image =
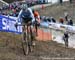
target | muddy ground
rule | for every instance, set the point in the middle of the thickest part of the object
(11, 49)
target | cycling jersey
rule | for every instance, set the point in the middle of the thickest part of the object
(21, 13)
(37, 16)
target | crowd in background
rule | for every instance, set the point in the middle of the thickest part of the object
(11, 9)
(67, 19)
(14, 8)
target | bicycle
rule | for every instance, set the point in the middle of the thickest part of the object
(36, 24)
(27, 38)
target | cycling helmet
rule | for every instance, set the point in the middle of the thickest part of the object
(24, 6)
(35, 13)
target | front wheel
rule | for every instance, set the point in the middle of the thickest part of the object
(25, 44)
(27, 38)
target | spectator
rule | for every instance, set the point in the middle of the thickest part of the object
(65, 38)
(66, 16)
(70, 1)
(42, 18)
(61, 20)
(61, 1)
(53, 20)
(70, 22)
(48, 19)
(45, 20)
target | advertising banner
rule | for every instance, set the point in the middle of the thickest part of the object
(8, 25)
(62, 27)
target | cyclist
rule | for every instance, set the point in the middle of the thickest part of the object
(36, 15)
(65, 38)
(37, 20)
(26, 18)
(26, 13)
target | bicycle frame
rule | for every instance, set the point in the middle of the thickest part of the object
(27, 38)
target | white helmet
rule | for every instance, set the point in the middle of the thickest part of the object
(24, 6)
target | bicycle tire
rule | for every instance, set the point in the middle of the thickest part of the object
(27, 44)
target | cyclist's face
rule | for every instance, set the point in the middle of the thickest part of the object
(24, 9)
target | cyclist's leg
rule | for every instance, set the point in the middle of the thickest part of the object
(24, 33)
(25, 37)
(31, 35)
(31, 39)
(23, 41)
(36, 29)
(35, 25)
(66, 42)
(28, 39)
